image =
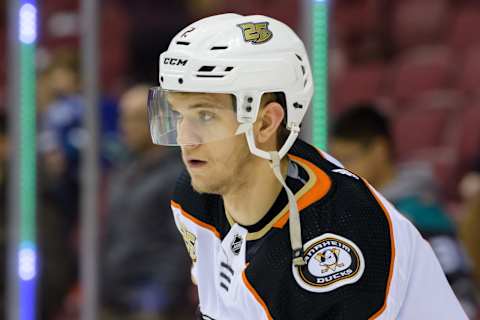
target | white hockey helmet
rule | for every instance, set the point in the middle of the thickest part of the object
(245, 56)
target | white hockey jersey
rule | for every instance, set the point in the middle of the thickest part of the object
(364, 259)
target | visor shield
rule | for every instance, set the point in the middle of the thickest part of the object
(188, 118)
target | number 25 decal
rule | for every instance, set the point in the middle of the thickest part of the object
(256, 33)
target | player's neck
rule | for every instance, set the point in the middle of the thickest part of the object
(251, 201)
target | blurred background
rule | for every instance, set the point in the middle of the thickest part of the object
(404, 111)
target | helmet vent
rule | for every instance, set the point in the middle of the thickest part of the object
(219, 48)
(183, 43)
(210, 75)
(206, 69)
(303, 70)
(298, 57)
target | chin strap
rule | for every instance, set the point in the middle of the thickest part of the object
(294, 217)
(274, 158)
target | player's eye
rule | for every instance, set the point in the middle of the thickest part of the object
(206, 116)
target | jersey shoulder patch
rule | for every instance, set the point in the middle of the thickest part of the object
(332, 261)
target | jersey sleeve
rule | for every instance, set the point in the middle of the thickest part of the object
(429, 296)
(418, 288)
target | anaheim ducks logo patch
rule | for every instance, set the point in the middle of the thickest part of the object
(256, 33)
(332, 261)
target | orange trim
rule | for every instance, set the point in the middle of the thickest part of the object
(319, 190)
(255, 294)
(195, 220)
(392, 258)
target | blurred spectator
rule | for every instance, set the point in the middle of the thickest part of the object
(470, 222)
(144, 261)
(362, 141)
(60, 141)
(62, 135)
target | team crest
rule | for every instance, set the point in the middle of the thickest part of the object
(256, 33)
(332, 261)
(190, 242)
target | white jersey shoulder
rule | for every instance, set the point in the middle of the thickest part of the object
(418, 288)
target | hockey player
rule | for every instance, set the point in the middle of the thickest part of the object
(276, 228)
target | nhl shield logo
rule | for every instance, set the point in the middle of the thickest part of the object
(332, 261)
(236, 244)
(256, 33)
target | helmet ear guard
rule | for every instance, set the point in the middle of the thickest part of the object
(248, 106)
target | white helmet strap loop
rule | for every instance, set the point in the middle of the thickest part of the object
(247, 128)
(274, 157)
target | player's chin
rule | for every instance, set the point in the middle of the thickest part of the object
(199, 185)
(203, 186)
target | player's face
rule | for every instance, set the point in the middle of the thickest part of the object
(220, 164)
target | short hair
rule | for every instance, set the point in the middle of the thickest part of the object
(362, 123)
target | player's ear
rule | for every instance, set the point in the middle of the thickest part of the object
(269, 120)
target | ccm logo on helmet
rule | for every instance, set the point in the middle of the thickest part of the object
(175, 61)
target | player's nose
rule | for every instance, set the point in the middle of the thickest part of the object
(187, 135)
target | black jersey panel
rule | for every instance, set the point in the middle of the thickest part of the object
(350, 211)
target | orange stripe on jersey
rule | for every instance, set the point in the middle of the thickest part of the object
(392, 248)
(320, 189)
(256, 295)
(195, 220)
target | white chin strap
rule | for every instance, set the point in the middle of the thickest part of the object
(275, 157)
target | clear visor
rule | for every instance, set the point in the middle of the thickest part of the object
(187, 118)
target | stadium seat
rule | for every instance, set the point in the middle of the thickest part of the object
(114, 50)
(468, 79)
(419, 22)
(420, 70)
(355, 17)
(447, 98)
(465, 26)
(418, 129)
(358, 84)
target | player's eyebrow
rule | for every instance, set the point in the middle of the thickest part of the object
(198, 105)
(203, 105)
